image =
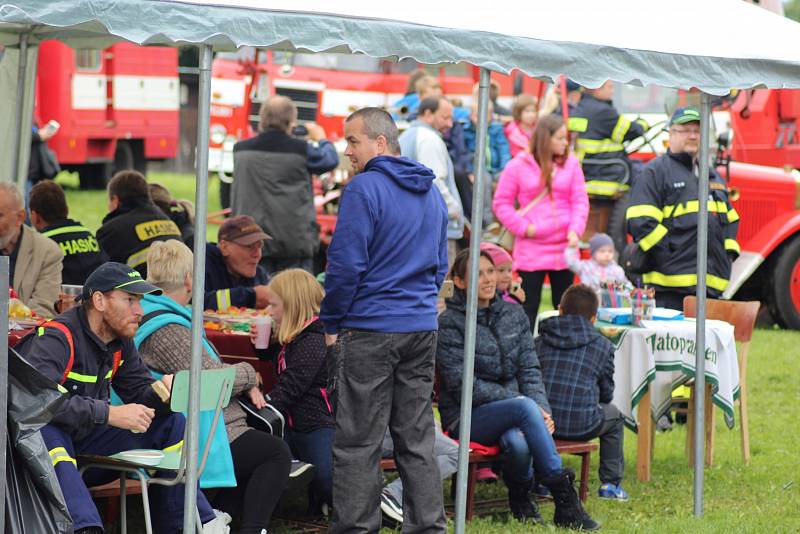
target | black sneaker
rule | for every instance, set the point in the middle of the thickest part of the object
(391, 508)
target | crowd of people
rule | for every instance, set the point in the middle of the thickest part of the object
(356, 357)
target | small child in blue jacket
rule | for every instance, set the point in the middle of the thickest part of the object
(578, 374)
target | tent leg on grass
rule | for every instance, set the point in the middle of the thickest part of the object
(198, 280)
(472, 302)
(19, 120)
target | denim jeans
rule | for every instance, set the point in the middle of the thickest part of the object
(517, 425)
(611, 433)
(315, 448)
(379, 379)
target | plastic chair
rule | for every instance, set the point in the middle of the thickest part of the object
(215, 393)
(541, 317)
(742, 315)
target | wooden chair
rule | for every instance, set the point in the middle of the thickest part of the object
(742, 315)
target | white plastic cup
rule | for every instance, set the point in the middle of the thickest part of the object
(263, 329)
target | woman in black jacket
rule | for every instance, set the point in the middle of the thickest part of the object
(509, 405)
(300, 394)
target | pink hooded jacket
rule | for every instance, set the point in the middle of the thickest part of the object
(518, 139)
(565, 209)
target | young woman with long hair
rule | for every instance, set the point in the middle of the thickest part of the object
(552, 179)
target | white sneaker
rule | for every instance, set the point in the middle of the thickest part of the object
(218, 525)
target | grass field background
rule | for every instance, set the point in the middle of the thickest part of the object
(761, 498)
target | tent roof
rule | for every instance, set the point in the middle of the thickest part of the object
(714, 45)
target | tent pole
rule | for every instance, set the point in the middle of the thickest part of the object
(4, 277)
(198, 282)
(20, 108)
(472, 301)
(700, 335)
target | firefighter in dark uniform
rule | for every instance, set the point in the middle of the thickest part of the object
(662, 218)
(86, 350)
(49, 215)
(133, 222)
(601, 131)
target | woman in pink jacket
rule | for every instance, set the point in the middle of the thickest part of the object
(559, 216)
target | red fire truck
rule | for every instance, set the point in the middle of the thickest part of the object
(118, 107)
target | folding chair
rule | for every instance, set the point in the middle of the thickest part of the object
(541, 317)
(215, 393)
(742, 315)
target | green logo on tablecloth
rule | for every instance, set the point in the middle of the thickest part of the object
(681, 345)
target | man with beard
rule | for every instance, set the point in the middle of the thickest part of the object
(86, 350)
(35, 262)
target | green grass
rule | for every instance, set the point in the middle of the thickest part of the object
(90, 207)
(761, 498)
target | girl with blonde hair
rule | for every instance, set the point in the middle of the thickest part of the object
(300, 393)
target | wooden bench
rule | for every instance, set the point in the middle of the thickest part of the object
(582, 449)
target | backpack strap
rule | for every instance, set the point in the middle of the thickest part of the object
(64, 330)
(152, 315)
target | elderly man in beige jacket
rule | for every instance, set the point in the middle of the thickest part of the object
(35, 260)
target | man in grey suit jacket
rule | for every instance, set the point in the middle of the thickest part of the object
(35, 260)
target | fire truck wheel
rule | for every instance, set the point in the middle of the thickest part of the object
(784, 302)
(224, 194)
(617, 228)
(94, 175)
(123, 157)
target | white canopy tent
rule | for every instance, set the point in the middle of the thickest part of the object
(587, 40)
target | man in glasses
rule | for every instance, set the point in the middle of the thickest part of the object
(663, 216)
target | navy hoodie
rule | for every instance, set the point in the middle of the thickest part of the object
(388, 256)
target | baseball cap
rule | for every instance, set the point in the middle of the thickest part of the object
(242, 230)
(113, 275)
(684, 115)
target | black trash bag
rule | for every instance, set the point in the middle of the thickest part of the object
(34, 502)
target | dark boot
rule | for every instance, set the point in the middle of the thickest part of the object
(569, 511)
(522, 508)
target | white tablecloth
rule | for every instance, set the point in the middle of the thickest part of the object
(662, 354)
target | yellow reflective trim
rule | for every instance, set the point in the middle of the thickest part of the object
(604, 188)
(597, 146)
(683, 280)
(60, 454)
(732, 245)
(174, 448)
(64, 459)
(108, 374)
(153, 229)
(692, 206)
(40, 331)
(223, 299)
(650, 240)
(86, 379)
(577, 124)
(644, 210)
(57, 450)
(733, 215)
(138, 258)
(668, 211)
(620, 129)
(61, 389)
(722, 207)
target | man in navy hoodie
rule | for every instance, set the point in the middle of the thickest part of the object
(386, 263)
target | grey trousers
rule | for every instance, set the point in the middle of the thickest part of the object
(375, 380)
(445, 451)
(611, 434)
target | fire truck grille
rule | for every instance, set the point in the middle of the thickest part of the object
(307, 102)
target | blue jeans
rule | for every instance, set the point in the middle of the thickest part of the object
(315, 448)
(518, 427)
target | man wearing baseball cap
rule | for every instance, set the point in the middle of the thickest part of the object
(662, 218)
(86, 350)
(233, 274)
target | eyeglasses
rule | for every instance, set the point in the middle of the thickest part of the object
(686, 131)
(252, 247)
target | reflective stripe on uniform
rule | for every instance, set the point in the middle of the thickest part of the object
(86, 379)
(174, 448)
(65, 230)
(650, 240)
(683, 280)
(693, 206)
(597, 146)
(605, 188)
(59, 454)
(733, 215)
(138, 258)
(223, 299)
(644, 210)
(577, 124)
(620, 129)
(732, 245)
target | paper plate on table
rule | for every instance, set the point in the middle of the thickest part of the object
(142, 456)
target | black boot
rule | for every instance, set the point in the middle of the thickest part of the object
(569, 511)
(522, 508)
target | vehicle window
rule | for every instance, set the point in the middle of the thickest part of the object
(242, 54)
(329, 61)
(651, 99)
(87, 59)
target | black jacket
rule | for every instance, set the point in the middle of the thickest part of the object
(506, 365)
(128, 232)
(272, 183)
(82, 252)
(662, 218)
(223, 289)
(601, 131)
(578, 373)
(89, 381)
(300, 393)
